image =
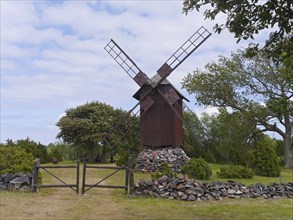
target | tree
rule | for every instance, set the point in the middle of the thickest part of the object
(86, 127)
(67, 151)
(246, 18)
(256, 87)
(228, 136)
(264, 159)
(191, 145)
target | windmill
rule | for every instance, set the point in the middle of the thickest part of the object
(160, 103)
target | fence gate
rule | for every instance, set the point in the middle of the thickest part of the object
(37, 166)
(128, 186)
(129, 178)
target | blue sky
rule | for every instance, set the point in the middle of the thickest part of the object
(53, 57)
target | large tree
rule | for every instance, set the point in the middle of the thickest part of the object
(256, 87)
(229, 136)
(246, 18)
(87, 126)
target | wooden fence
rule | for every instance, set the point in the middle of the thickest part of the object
(129, 177)
(37, 167)
(128, 186)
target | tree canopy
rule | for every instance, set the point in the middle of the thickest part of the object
(86, 127)
(229, 136)
(246, 18)
(257, 87)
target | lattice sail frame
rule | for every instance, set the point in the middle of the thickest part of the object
(126, 63)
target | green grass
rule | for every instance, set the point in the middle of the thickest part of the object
(286, 176)
(225, 209)
(63, 203)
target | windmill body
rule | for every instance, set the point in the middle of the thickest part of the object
(161, 122)
(160, 125)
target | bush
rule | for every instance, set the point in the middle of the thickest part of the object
(123, 159)
(166, 171)
(36, 149)
(209, 157)
(264, 159)
(15, 160)
(197, 168)
(239, 172)
(55, 154)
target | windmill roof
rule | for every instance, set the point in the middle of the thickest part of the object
(156, 79)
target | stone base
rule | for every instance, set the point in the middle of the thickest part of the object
(151, 159)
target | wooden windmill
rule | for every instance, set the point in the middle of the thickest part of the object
(161, 104)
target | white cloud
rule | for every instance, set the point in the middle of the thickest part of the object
(53, 57)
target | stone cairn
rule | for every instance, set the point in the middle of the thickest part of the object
(192, 190)
(11, 182)
(151, 159)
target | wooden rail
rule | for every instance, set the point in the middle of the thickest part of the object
(37, 166)
(129, 181)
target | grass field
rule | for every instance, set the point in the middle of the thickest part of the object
(64, 203)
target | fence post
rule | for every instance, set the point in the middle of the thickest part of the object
(77, 177)
(127, 176)
(37, 163)
(131, 177)
(83, 177)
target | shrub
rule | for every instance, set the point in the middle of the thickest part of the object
(209, 157)
(15, 160)
(55, 154)
(123, 158)
(239, 172)
(264, 159)
(166, 171)
(197, 168)
(36, 149)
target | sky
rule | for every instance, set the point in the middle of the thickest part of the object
(53, 57)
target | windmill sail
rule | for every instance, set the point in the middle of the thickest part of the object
(187, 48)
(126, 63)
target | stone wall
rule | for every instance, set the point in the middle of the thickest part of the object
(151, 159)
(192, 190)
(11, 182)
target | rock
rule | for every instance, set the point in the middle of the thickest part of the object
(239, 192)
(166, 194)
(184, 197)
(142, 182)
(173, 194)
(3, 187)
(11, 187)
(156, 195)
(215, 194)
(191, 197)
(191, 192)
(180, 186)
(180, 193)
(231, 191)
(162, 179)
(19, 181)
(149, 183)
(25, 188)
(8, 177)
(225, 193)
